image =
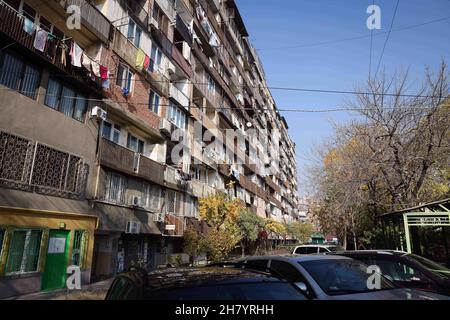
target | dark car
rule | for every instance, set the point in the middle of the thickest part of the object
(207, 283)
(406, 270)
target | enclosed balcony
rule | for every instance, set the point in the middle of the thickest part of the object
(117, 157)
(178, 96)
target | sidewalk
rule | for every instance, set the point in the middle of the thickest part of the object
(93, 291)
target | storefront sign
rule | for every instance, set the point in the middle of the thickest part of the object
(170, 227)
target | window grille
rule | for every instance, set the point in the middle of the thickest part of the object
(77, 248)
(31, 166)
(24, 249)
(115, 188)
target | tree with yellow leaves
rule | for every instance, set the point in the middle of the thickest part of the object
(221, 212)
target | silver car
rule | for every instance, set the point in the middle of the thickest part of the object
(324, 277)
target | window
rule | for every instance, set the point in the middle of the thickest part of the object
(77, 248)
(257, 263)
(134, 33)
(155, 59)
(123, 289)
(24, 250)
(177, 116)
(17, 74)
(154, 102)
(173, 202)
(115, 188)
(135, 144)
(66, 100)
(111, 132)
(211, 83)
(192, 209)
(2, 236)
(152, 197)
(125, 77)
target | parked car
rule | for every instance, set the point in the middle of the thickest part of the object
(406, 270)
(334, 277)
(206, 283)
(314, 249)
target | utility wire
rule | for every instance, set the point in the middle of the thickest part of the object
(245, 107)
(371, 47)
(308, 45)
(387, 38)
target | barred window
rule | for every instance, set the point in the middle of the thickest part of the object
(15, 158)
(24, 250)
(115, 188)
(77, 248)
(57, 170)
(173, 202)
(17, 74)
(152, 196)
(66, 100)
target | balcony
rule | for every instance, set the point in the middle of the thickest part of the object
(181, 61)
(151, 170)
(11, 25)
(173, 178)
(272, 184)
(173, 225)
(178, 96)
(93, 19)
(158, 80)
(163, 41)
(117, 157)
(167, 6)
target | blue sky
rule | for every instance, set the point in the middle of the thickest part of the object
(285, 34)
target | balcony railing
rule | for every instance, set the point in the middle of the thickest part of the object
(181, 61)
(151, 170)
(167, 6)
(179, 96)
(176, 223)
(117, 157)
(125, 160)
(11, 24)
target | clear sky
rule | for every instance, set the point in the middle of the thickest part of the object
(289, 36)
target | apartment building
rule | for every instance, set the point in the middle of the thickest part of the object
(91, 120)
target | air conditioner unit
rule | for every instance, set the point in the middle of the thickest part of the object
(186, 51)
(99, 113)
(135, 201)
(133, 227)
(165, 126)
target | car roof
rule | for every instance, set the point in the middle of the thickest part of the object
(316, 245)
(298, 258)
(372, 252)
(195, 277)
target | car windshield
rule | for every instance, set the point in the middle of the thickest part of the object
(434, 267)
(343, 276)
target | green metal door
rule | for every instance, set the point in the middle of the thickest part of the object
(54, 276)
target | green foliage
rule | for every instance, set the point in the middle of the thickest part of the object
(301, 231)
(249, 225)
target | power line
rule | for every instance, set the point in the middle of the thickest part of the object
(245, 107)
(387, 37)
(308, 45)
(387, 94)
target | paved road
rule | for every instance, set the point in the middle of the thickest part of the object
(93, 291)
